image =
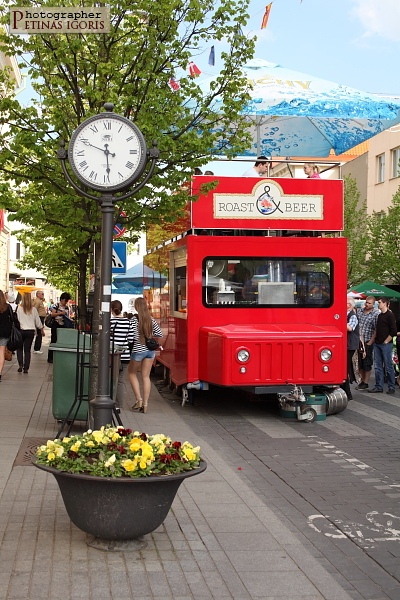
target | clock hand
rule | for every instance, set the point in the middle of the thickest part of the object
(106, 150)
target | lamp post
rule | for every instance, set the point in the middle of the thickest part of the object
(108, 154)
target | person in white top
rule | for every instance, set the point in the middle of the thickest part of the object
(260, 168)
(29, 321)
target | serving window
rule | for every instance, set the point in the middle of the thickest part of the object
(270, 281)
(178, 279)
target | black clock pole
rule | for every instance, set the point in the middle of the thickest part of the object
(103, 404)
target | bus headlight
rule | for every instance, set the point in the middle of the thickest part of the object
(243, 356)
(325, 355)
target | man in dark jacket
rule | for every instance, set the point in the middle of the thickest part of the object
(385, 331)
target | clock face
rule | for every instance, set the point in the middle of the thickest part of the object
(107, 152)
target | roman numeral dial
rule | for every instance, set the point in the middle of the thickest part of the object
(107, 152)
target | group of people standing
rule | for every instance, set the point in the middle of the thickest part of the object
(129, 335)
(370, 332)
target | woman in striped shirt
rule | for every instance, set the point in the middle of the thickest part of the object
(121, 335)
(144, 326)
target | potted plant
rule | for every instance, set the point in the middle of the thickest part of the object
(118, 484)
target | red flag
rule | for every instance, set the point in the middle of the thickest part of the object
(173, 84)
(266, 16)
(193, 69)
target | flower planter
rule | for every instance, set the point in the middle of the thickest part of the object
(120, 508)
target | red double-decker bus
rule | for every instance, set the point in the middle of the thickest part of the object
(256, 293)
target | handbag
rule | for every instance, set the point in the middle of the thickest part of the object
(15, 341)
(7, 354)
(151, 344)
(50, 322)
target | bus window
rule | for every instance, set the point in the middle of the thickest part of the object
(269, 281)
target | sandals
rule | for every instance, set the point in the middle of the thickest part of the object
(137, 406)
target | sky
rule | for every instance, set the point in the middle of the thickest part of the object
(351, 42)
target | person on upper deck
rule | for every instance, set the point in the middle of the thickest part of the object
(312, 171)
(260, 168)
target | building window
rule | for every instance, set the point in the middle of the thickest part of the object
(380, 168)
(395, 160)
(17, 250)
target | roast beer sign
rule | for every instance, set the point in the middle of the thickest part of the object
(267, 200)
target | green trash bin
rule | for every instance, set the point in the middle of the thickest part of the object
(71, 373)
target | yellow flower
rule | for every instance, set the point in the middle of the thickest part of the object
(110, 461)
(98, 436)
(129, 465)
(189, 454)
(75, 447)
(65, 440)
(115, 437)
(135, 444)
(89, 444)
(142, 463)
(51, 456)
(59, 451)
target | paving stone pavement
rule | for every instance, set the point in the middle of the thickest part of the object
(286, 510)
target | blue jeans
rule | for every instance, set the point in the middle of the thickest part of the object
(383, 356)
(139, 356)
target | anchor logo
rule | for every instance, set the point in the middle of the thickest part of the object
(266, 204)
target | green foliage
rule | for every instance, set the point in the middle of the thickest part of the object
(73, 75)
(384, 250)
(356, 232)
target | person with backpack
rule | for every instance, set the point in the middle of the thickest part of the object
(145, 329)
(121, 336)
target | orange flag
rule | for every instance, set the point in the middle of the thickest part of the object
(266, 15)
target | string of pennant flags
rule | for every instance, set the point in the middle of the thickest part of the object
(194, 71)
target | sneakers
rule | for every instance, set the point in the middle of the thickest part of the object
(375, 391)
(362, 386)
(37, 352)
(392, 391)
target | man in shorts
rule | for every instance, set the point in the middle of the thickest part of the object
(367, 318)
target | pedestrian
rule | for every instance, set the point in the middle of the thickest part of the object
(353, 339)
(144, 326)
(367, 318)
(38, 303)
(29, 321)
(259, 169)
(5, 327)
(10, 297)
(383, 348)
(312, 171)
(121, 335)
(60, 313)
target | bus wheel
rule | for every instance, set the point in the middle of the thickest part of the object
(310, 415)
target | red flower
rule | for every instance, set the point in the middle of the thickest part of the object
(72, 454)
(176, 445)
(143, 437)
(124, 432)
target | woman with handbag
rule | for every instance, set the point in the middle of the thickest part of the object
(5, 327)
(144, 329)
(29, 321)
